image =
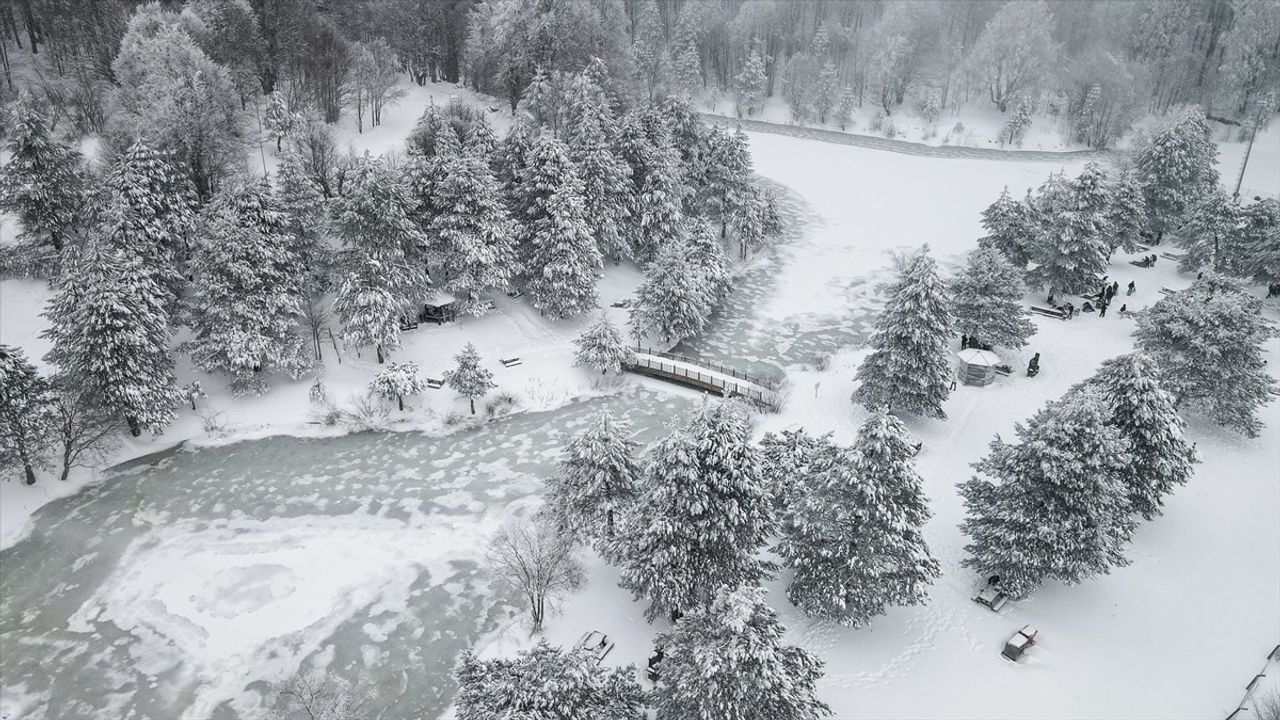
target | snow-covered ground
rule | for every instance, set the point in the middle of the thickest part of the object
(231, 572)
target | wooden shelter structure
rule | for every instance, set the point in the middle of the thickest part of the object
(977, 367)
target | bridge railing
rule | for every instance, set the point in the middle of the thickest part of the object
(762, 382)
(729, 387)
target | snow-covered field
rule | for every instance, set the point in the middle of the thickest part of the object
(209, 600)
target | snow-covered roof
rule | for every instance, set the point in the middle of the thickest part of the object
(974, 356)
(439, 299)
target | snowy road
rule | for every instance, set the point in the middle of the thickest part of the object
(959, 152)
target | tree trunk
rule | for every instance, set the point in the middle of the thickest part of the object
(31, 474)
(380, 358)
(473, 406)
(66, 462)
(400, 400)
(135, 429)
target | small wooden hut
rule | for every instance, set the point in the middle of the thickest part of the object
(440, 308)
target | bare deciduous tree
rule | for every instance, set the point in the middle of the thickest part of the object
(86, 434)
(315, 317)
(314, 695)
(536, 560)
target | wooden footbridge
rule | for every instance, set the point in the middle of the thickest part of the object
(706, 376)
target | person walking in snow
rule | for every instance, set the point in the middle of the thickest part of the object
(1115, 288)
(1132, 288)
(1102, 309)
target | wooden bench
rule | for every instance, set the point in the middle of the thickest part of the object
(1004, 370)
(1167, 291)
(1170, 256)
(1048, 312)
(515, 293)
(435, 383)
(510, 361)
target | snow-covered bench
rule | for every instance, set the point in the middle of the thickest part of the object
(435, 383)
(510, 361)
(596, 643)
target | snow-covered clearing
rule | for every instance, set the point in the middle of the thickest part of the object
(195, 577)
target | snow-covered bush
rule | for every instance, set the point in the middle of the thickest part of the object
(503, 404)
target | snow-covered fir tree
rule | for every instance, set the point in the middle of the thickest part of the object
(1054, 506)
(1208, 341)
(728, 661)
(1176, 167)
(602, 348)
(686, 67)
(786, 458)
(150, 213)
(510, 159)
(1069, 252)
(649, 49)
(657, 189)
(1212, 239)
(541, 101)
(546, 683)
(702, 515)
(431, 131)
(246, 298)
(1161, 458)
(381, 268)
(397, 380)
(606, 178)
(674, 301)
(707, 255)
(306, 217)
(109, 325)
(1009, 229)
(472, 235)
(689, 137)
(854, 535)
(560, 255)
(279, 120)
(596, 483)
(468, 378)
(751, 84)
(909, 368)
(1260, 235)
(26, 414)
(987, 300)
(1127, 213)
(41, 182)
(728, 187)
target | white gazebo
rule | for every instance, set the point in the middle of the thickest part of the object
(977, 367)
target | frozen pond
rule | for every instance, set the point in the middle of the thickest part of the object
(177, 588)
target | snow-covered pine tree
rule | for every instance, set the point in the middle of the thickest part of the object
(247, 293)
(657, 188)
(1009, 228)
(1161, 457)
(431, 130)
(381, 268)
(41, 182)
(299, 198)
(785, 458)
(510, 159)
(26, 414)
(1069, 253)
(1261, 238)
(728, 661)
(689, 137)
(540, 102)
(1208, 341)
(686, 67)
(546, 683)
(854, 535)
(673, 301)
(708, 258)
(728, 186)
(560, 255)
(1211, 237)
(752, 84)
(606, 178)
(279, 119)
(596, 483)
(987, 300)
(1176, 167)
(602, 348)
(649, 49)
(909, 367)
(469, 379)
(151, 212)
(398, 380)
(472, 233)
(1127, 214)
(1092, 192)
(1056, 506)
(109, 325)
(702, 515)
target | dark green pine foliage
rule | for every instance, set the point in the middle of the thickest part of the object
(909, 368)
(589, 132)
(1055, 505)
(1127, 213)
(1176, 167)
(248, 290)
(854, 536)
(109, 324)
(701, 518)
(1212, 239)
(727, 661)
(41, 183)
(1261, 233)
(657, 189)
(546, 683)
(988, 300)
(1208, 342)
(1069, 254)
(1161, 457)
(786, 457)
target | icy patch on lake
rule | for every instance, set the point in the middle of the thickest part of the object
(241, 600)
